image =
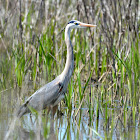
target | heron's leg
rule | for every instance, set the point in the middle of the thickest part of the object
(54, 110)
(31, 118)
(59, 112)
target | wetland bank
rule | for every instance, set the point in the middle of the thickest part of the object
(103, 97)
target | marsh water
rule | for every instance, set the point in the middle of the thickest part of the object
(64, 125)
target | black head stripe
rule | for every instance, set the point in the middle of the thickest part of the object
(72, 21)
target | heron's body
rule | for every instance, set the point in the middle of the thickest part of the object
(52, 93)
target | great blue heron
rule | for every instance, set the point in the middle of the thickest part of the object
(52, 93)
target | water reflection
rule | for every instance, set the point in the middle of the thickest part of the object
(66, 126)
(31, 127)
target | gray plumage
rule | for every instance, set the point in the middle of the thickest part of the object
(52, 93)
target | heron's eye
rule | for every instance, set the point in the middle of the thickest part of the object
(76, 23)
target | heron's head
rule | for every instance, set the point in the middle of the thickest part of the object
(77, 24)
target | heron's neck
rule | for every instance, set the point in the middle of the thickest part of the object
(69, 66)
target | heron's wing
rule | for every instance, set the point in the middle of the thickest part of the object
(46, 95)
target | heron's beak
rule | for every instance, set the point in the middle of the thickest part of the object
(87, 25)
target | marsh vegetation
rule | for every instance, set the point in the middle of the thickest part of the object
(103, 97)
